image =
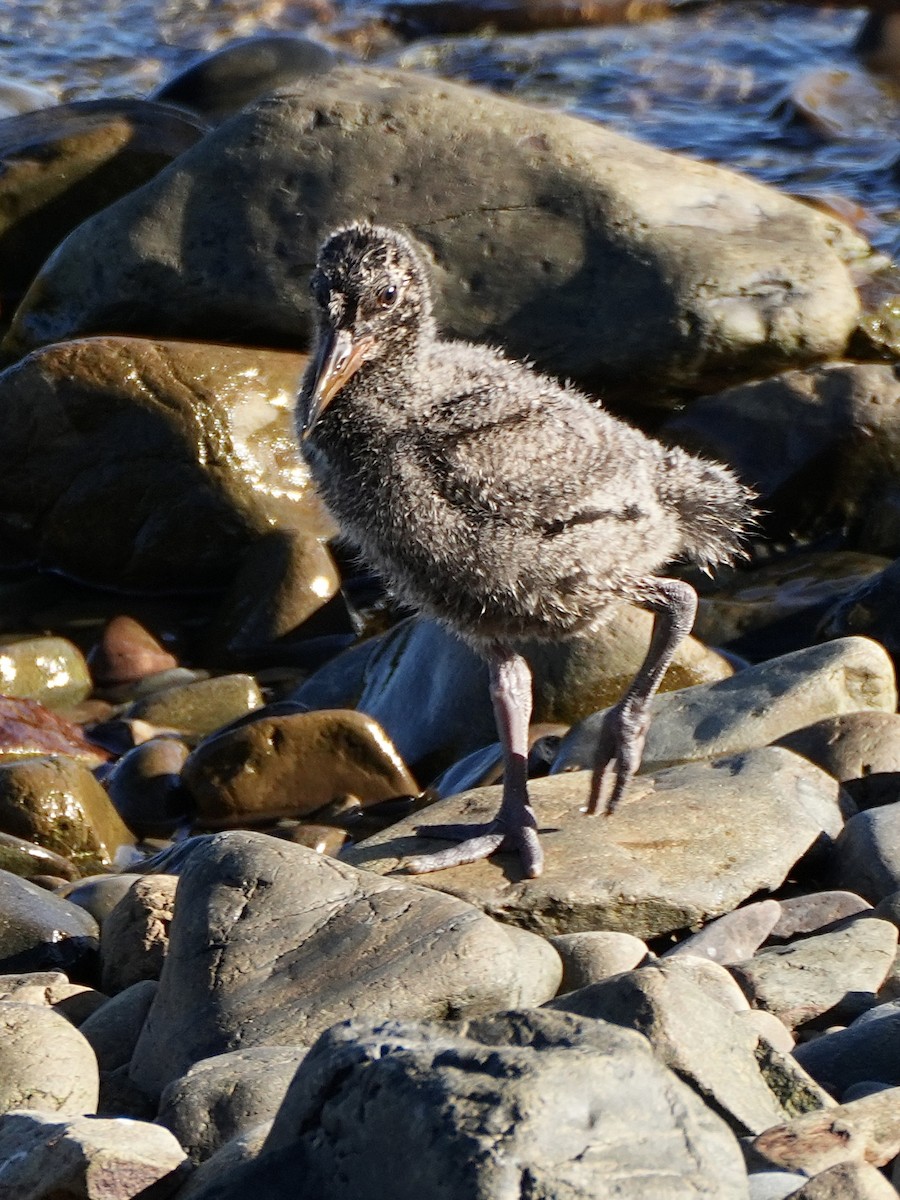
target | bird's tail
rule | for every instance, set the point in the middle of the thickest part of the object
(716, 509)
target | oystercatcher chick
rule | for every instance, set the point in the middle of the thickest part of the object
(501, 503)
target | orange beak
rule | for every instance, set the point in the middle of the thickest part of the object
(338, 358)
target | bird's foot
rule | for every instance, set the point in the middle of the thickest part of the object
(617, 757)
(481, 841)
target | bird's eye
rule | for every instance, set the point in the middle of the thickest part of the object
(387, 296)
(319, 288)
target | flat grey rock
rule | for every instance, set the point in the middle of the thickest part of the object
(755, 707)
(733, 937)
(272, 943)
(707, 1044)
(834, 975)
(713, 271)
(687, 844)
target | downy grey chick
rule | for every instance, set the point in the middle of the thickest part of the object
(501, 503)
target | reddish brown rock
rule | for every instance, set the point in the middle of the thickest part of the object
(126, 652)
(866, 1130)
(29, 729)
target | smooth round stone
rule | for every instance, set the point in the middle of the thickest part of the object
(774, 1185)
(289, 766)
(28, 729)
(806, 914)
(182, 475)
(734, 937)
(755, 707)
(779, 591)
(848, 414)
(126, 652)
(145, 786)
(98, 894)
(219, 84)
(867, 853)
(200, 708)
(90, 153)
(41, 932)
(45, 1062)
(768, 1026)
(113, 1030)
(22, 857)
(50, 670)
(591, 956)
(861, 750)
(58, 803)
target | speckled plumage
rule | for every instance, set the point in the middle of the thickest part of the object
(487, 495)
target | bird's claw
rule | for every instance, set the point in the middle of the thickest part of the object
(617, 757)
(480, 841)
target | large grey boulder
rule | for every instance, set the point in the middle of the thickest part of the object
(271, 943)
(599, 257)
(520, 1104)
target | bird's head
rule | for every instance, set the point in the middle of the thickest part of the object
(373, 305)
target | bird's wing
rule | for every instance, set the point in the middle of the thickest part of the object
(551, 466)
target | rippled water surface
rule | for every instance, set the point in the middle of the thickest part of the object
(772, 89)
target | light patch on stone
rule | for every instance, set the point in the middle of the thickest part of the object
(55, 670)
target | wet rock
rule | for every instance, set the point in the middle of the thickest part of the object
(113, 1030)
(688, 844)
(126, 652)
(591, 956)
(21, 857)
(814, 910)
(219, 84)
(754, 708)
(868, 1049)
(751, 1084)
(223, 1097)
(866, 1130)
(135, 936)
(682, 239)
(415, 18)
(63, 164)
(733, 937)
(29, 729)
(869, 609)
(254, 915)
(777, 605)
(814, 443)
(145, 786)
(437, 719)
(98, 894)
(49, 670)
(200, 708)
(44, 1062)
(861, 750)
(160, 466)
(847, 1181)
(289, 766)
(87, 1157)
(867, 853)
(483, 1107)
(58, 803)
(835, 974)
(40, 932)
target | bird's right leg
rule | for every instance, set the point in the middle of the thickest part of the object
(621, 743)
(514, 827)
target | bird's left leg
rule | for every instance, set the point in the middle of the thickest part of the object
(621, 743)
(514, 827)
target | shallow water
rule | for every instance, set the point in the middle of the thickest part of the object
(772, 89)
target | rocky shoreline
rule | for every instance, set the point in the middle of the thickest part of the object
(217, 733)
